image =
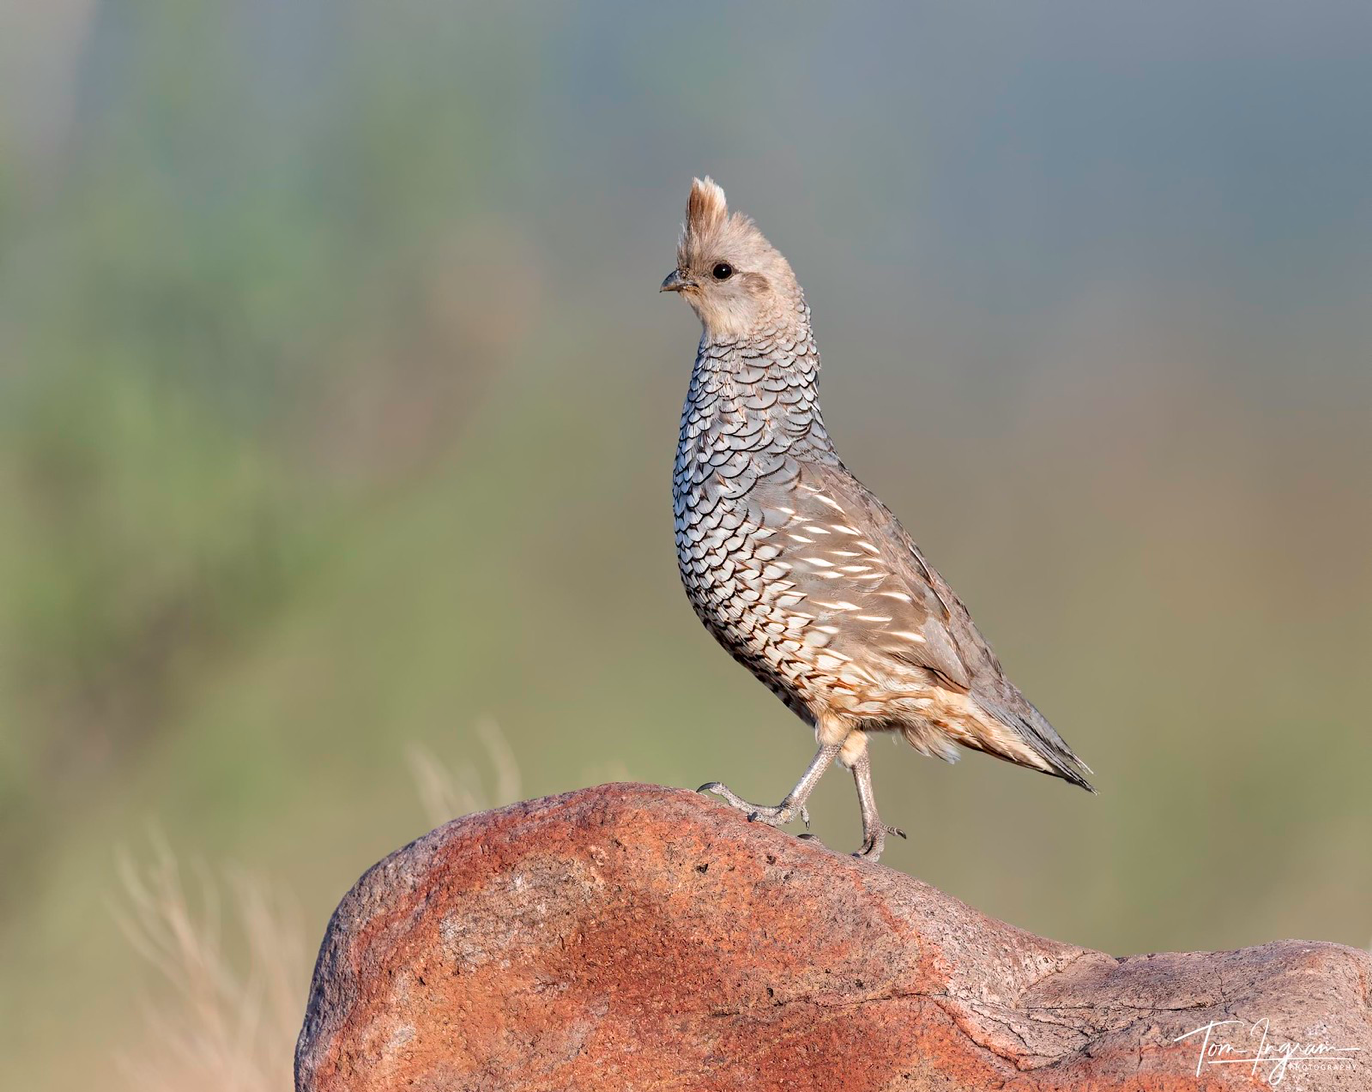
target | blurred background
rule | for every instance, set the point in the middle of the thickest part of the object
(338, 406)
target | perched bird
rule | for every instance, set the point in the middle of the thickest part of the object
(802, 574)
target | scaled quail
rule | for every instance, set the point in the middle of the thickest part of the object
(799, 572)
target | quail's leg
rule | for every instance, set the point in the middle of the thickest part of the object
(874, 831)
(793, 805)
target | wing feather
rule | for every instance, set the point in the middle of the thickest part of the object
(867, 583)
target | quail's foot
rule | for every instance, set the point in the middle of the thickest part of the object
(773, 815)
(874, 841)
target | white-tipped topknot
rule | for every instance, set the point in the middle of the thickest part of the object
(706, 210)
(709, 228)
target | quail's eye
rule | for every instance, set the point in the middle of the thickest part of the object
(723, 271)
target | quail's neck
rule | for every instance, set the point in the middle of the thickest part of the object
(759, 392)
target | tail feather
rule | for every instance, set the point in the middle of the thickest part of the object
(1018, 714)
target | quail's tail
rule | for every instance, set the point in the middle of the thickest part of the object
(1017, 713)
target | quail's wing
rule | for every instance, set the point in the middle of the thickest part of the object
(860, 574)
(863, 576)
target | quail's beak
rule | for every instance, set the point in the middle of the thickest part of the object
(676, 281)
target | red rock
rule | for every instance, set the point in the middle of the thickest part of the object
(634, 937)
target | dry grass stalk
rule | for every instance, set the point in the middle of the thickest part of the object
(232, 1012)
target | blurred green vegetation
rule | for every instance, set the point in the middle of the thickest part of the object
(337, 410)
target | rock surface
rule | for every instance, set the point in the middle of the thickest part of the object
(634, 937)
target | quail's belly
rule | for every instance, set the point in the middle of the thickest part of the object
(736, 582)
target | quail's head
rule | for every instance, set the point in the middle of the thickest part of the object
(733, 278)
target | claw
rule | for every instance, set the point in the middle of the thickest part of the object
(805, 818)
(874, 842)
